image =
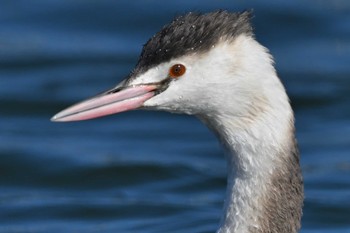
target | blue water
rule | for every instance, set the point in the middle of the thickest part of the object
(151, 171)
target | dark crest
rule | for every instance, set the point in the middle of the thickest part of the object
(191, 33)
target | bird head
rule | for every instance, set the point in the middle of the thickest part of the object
(199, 64)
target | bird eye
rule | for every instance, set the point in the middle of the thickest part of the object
(177, 70)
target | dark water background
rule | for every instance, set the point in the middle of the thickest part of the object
(151, 171)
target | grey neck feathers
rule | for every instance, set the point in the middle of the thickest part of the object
(264, 187)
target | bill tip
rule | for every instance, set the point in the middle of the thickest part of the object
(55, 118)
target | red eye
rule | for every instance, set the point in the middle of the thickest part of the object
(177, 70)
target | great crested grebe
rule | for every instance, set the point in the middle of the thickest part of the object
(211, 66)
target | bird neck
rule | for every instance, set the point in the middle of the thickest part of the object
(264, 186)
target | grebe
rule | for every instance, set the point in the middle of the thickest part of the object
(211, 66)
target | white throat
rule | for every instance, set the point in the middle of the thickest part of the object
(261, 156)
(264, 177)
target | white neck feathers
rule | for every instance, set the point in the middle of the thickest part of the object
(261, 152)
